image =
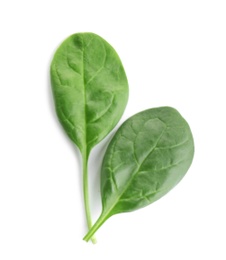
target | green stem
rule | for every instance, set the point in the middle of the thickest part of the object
(95, 227)
(86, 194)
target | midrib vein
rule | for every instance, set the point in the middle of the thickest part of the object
(84, 96)
(135, 173)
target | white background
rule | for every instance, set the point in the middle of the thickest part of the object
(174, 54)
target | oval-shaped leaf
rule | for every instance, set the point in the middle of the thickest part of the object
(90, 91)
(147, 157)
(90, 88)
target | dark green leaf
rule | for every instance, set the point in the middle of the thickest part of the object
(147, 157)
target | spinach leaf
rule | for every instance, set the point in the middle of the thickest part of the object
(147, 157)
(90, 91)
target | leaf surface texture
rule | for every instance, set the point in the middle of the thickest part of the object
(90, 88)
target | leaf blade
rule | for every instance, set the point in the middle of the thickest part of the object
(147, 179)
(90, 88)
(143, 180)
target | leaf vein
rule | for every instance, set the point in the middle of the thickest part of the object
(173, 146)
(103, 112)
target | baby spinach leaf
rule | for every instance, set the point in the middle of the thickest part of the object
(90, 88)
(90, 91)
(147, 157)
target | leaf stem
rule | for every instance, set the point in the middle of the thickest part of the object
(86, 194)
(95, 227)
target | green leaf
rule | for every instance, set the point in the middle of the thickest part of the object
(90, 91)
(90, 88)
(150, 153)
